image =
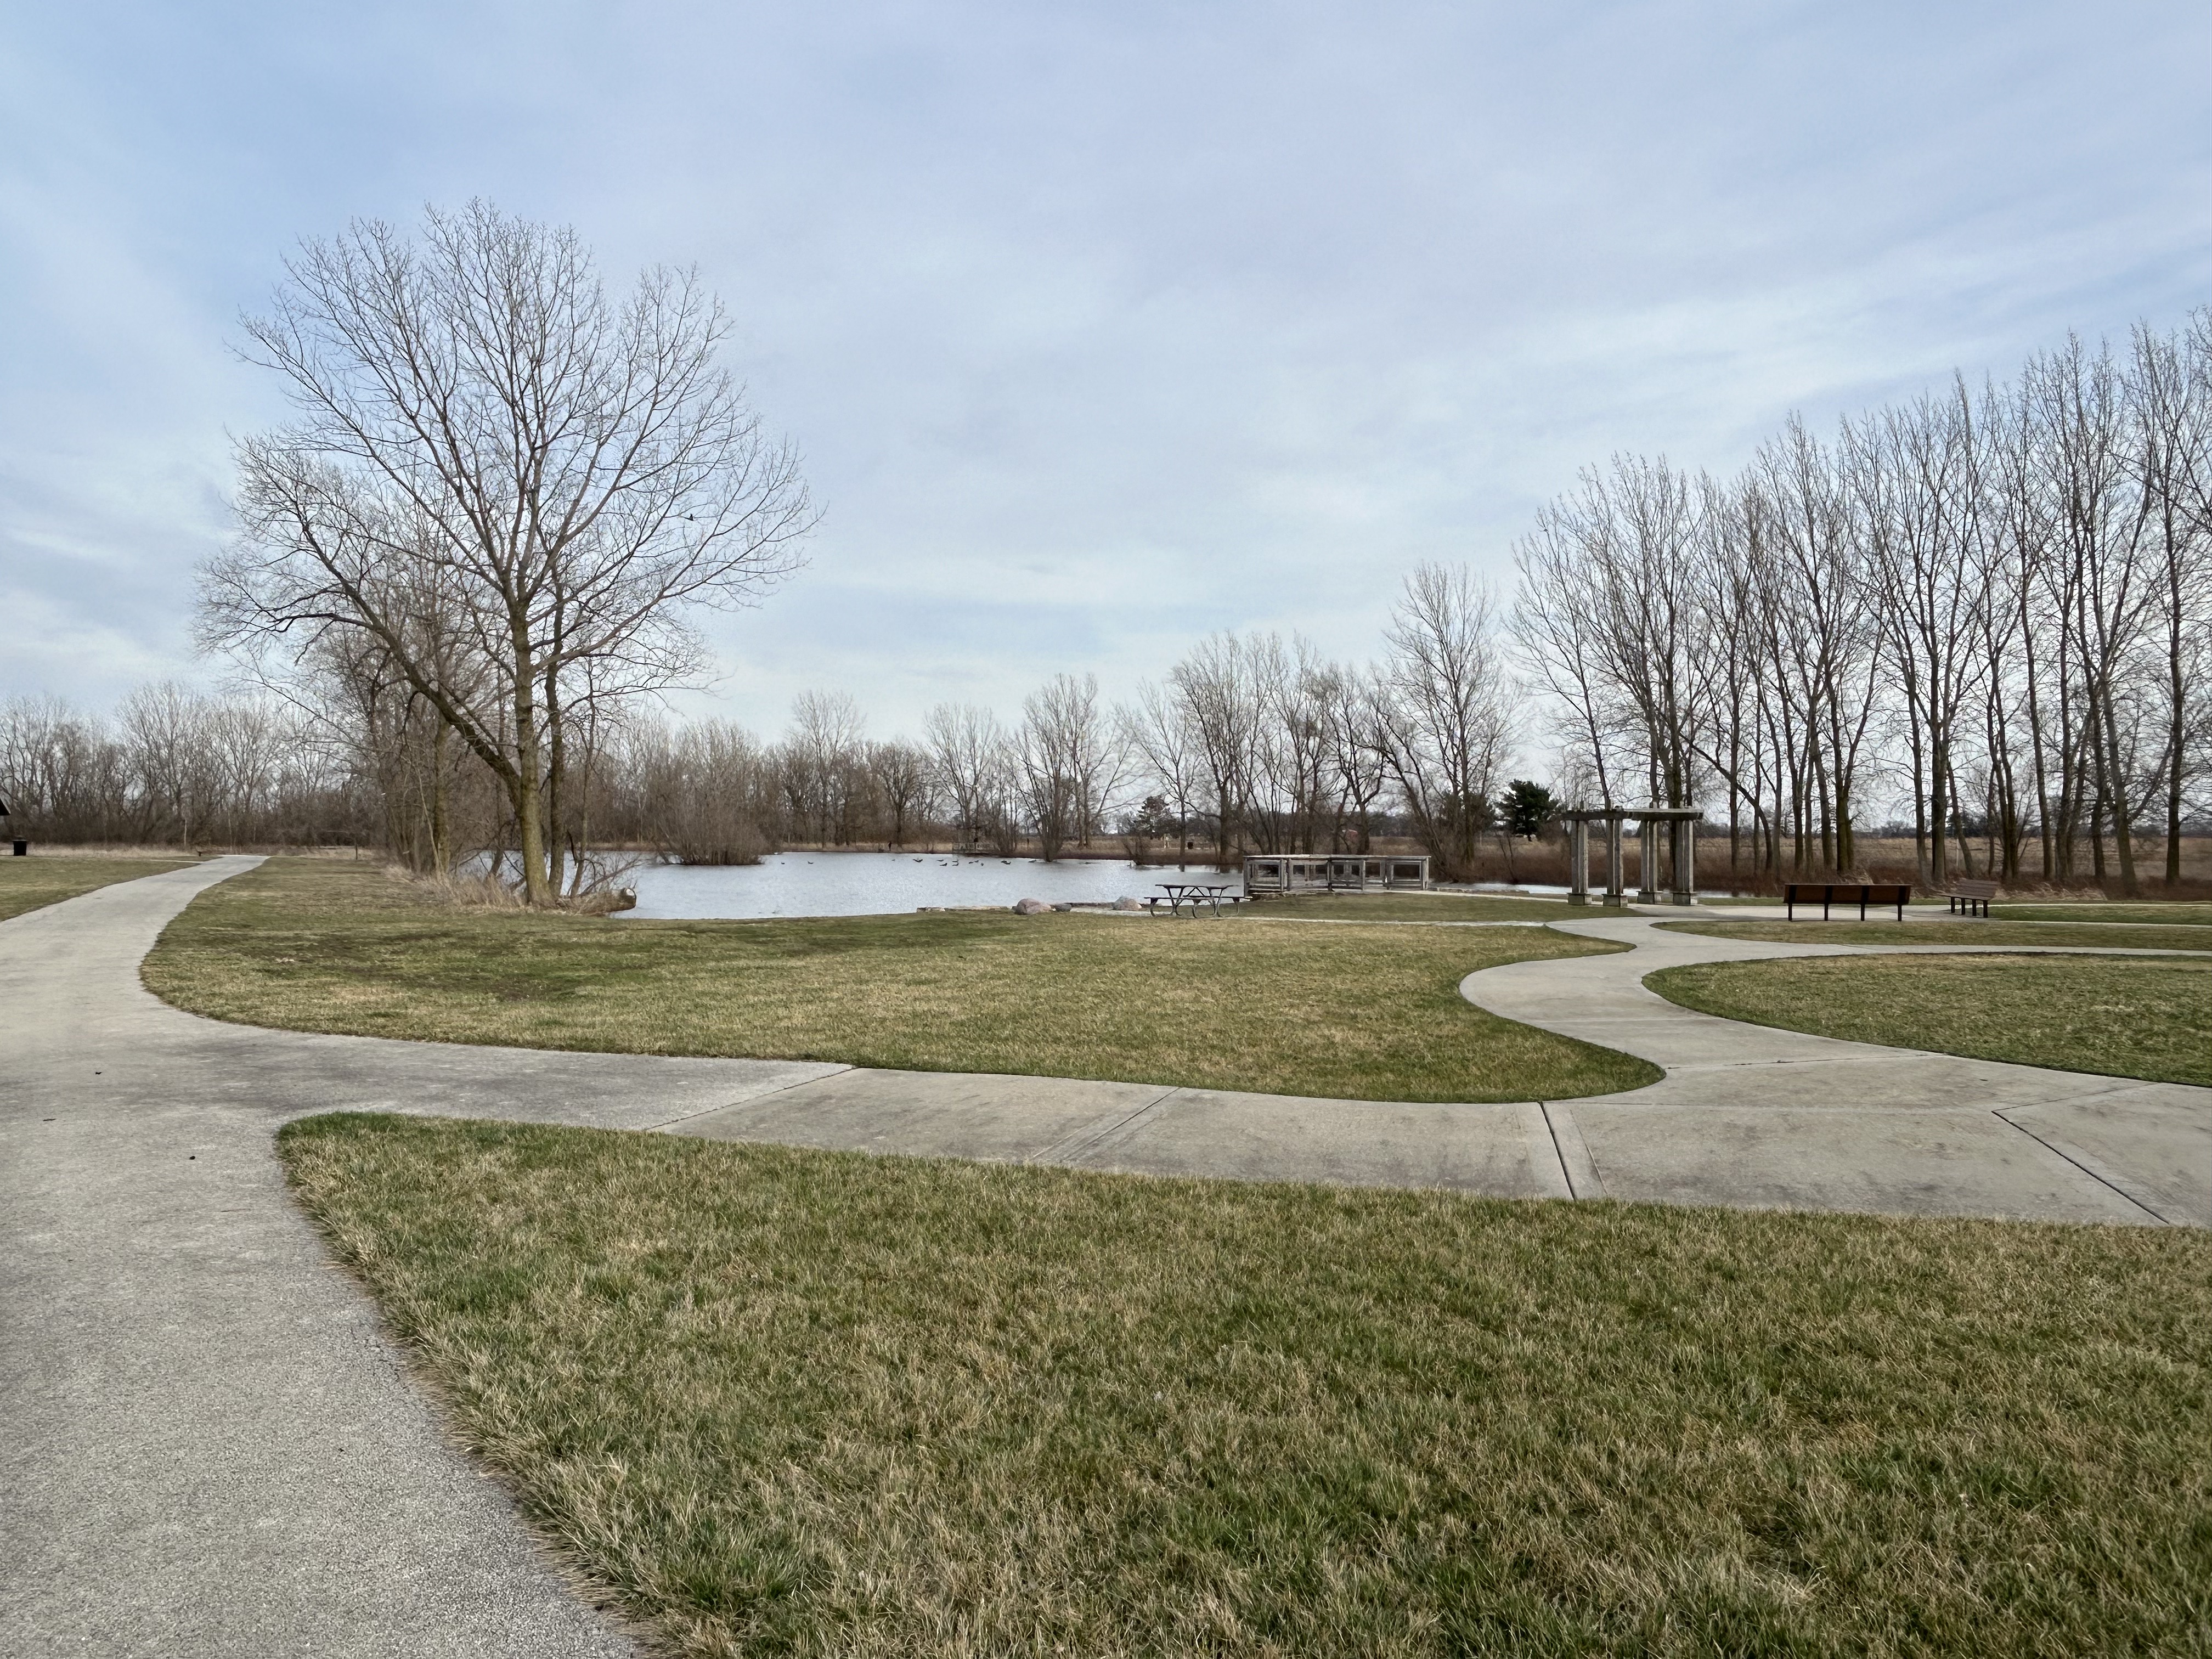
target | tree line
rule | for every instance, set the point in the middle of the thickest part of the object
(468, 570)
(1249, 742)
(1994, 602)
(175, 766)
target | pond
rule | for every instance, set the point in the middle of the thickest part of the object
(882, 883)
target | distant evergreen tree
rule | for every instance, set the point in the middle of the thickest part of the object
(1526, 807)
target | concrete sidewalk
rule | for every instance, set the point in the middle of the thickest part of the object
(1749, 1114)
(208, 1448)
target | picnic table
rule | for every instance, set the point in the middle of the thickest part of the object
(1195, 893)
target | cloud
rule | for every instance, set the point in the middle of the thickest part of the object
(1102, 327)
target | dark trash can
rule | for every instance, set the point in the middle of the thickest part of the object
(22, 849)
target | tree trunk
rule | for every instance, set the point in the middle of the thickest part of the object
(525, 787)
(441, 831)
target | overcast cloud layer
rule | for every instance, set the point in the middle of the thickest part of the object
(1101, 326)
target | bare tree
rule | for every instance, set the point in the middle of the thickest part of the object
(168, 746)
(1070, 758)
(60, 774)
(970, 753)
(2169, 398)
(1164, 746)
(1446, 725)
(824, 768)
(1915, 472)
(1351, 724)
(2001, 599)
(1220, 708)
(1291, 775)
(2100, 524)
(904, 784)
(484, 439)
(1556, 623)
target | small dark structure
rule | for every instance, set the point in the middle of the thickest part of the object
(18, 847)
(1681, 827)
(1335, 872)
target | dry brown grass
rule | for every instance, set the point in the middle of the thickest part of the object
(1405, 907)
(1921, 928)
(2144, 1016)
(1368, 1013)
(809, 1403)
(31, 884)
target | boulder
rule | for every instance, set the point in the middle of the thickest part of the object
(1125, 903)
(1031, 908)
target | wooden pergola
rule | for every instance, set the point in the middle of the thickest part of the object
(1682, 825)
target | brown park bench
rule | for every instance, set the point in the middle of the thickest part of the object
(1866, 893)
(1971, 898)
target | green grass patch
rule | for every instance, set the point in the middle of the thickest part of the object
(1403, 907)
(2178, 913)
(2144, 1016)
(809, 1403)
(32, 884)
(1371, 1013)
(1963, 932)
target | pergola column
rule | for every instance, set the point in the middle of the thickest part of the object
(1613, 895)
(1647, 837)
(1579, 861)
(1685, 861)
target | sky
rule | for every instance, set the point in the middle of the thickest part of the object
(1100, 326)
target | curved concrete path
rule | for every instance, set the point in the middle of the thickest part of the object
(208, 1448)
(1748, 1114)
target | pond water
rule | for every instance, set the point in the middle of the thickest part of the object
(899, 884)
(881, 884)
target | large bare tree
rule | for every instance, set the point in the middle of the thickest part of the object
(974, 768)
(1069, 757)
(490, 449)
(1446, 710)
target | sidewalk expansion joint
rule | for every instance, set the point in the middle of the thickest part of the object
(1071, 1150)
(733, 1105)
(1572, 1152)
(2088, 1164)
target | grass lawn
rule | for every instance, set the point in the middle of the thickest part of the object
(2197, 914)
(31, 884)
(2178, 912)
(2146, 1017)
(1405, 906)
(798, 1402)
(1964, 932)
(1371, 1013)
